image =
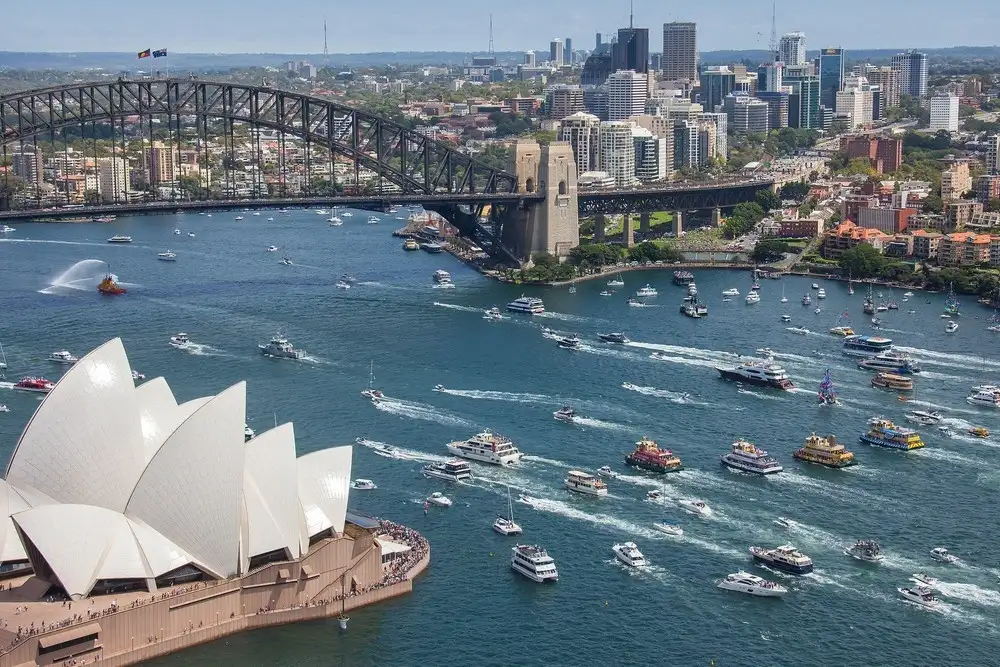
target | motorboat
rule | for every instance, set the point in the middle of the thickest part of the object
(629, 554)
(989, 398)
(191, 234)
(347, 214)
(63, 357)
(279, 348)
(921, 595)
(751, 584)
(439, 499)
(177, 232)
(646, 291)
(285, 261)
(363, 485)
(373, 219)
(732, 291)
(614, 337)
(815, 285)
(818, 311)
(248, 433)
(526, 304)
(827, 394)
(587, 484)
(806, 300)
(432, 248)
(752, 298)
(924, 578)
(136, 375)
(605, 292)
(842, 331)
(802, 331)
(692, 289)
(270, 218)
(786, 318)
(493, 314)
(340, 284)
(908, 294)
(239, 217)
(4, 229)
(272, 248)
(868, 551)
(505, 525)
(821, 294)
(668, 528)
(180, 340)
(653, 494)
(487, 447)
(765, 353)
(758, 372)
(748, 457)
(120, 239)
(4, 408)
(941, 555)
(334, 221)
(690, 310)
(167, 256)
(321, 211)
(370, 391)
(785, 558)
(683, 278)
(922, 417)
(951, 326)
(606, 471)
(389, 452)
(979, 431)
(784, 522)
(572, 289)
(632, 301)
(564, 414)
(533, 562)
(568, 342)
(37, 385)
(695, 507)
(455, 470)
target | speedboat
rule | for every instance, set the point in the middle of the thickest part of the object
(606, 471)
(752, 298)
(572, 289)
(570, 342)
(63, 357)
(646, 291)
(177, 232)
(167, 256)
(732, 291)
(180, 340)
(865, 550)
(634, 302)
(815, 285)
(348, 278)
(363, 485)
(335, 221)
(799, 330)
(924, 578)
(136, 375)
(806, 300)
(439, 499)
(4, 408)
(921, 595)
(191, 234)
(821, 294)
(279, 347)
(340, 284)
(818, 311)
(347, 214)
(439, 387)
(921, 417)
(765, 352)
(492, 314)
(951, 326)
(272, 248)
(605, 292)
(941, 554)
(979, 431)
(784, 522)
(629, 554)
(248, 433)
(239, 217)
(907, 294)
(388, 452)
(668, 528)
(373, 219)
(695, 507)
(653, 494)
(786, 318)
(285, 261)
(614, 337)
(751, 584)
(564, 414)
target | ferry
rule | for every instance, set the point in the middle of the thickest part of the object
(110, 284)
(892, 362)
(751, 584)
(883, 433)
(33, 384)
(432, 248)
(120, 239)
(279, 347)
(648, 456)
(487, 447)
(534, 563)
(63, 357)
(683, 277)
(451, 471)
(581, 482)
(614, 337)
(747, 457)
(892, 381)
(785, 558)
(629, 554)
(865, 550)
(410, 244)
(441, 276)
(527, 304)
(756, 372)
(825, 451)
(866, 346)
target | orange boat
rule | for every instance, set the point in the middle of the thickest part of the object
(109, 286)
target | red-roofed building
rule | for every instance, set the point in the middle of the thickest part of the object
(848, 235)
(925, 244)
(964, 249)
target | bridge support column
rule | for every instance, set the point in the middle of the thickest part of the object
(600, 222)
(716, 217)
(678, 223)
(551, 226)
(628, 233)
(644, 223)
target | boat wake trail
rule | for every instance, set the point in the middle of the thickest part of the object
(698, 353)
(681, 398)
(201, 350)
(970, 592)
(935, 406)
(507, 396)
(687, 361)
(601, 520)
(600, 423)
(455, 306)
(403, 453)
(949, 359)
(545, 461)
(411, 410)
(942, 376)
(939, 454)
(755, 394)
(563, 317)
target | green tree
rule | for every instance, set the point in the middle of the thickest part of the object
(862, 261)
(993, 205)
(860, 166)
(932, 203)
(543, 137)
(767, 200)
(769, 250)
(91, 197)
(796, 191)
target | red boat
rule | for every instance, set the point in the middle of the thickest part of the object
(649, 456)
(109, 286)
(39, 385)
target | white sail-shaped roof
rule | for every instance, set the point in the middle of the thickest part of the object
(190, 491)
(161, 554)
(87, 420)
(324, 484)
(10, 544)
(271, 491)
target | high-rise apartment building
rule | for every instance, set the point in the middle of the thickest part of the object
(160, 164)
(28, 165)
(650, 155)
(529, 58)
(562, 100)
(769, 77)
(993, 154)
(618, 152)
(855, 102)
(792, 49)
(912, 68)
(583, 132)
(721, 122)
(680, 51)
(716, 83)
(556, 52)
(944, 112)
(831, 76)
(627, 91)
(746, 114)
(888, 80)
(955, 181)
(112, 179)
(687, 152)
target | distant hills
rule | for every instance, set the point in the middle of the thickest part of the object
(203, 62)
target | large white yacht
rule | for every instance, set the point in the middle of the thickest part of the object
(985, 397)
(629, 554)
(748, 457)
(452, 471)
(439, 499)
(752, 298)
(695, 507)
(487, 447)
(534, 563)
(526, 304)
(751, 584)
(582, 482)
(63, 357)
(754, 371)
(942, 555)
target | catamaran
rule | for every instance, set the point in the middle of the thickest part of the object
(506, 525)
(371, 392)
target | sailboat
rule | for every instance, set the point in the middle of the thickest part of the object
(891, 303)
(3, 358)
(371, 392)
(617, 281)
(951, 303)
(506, 525)
(827, 394)
(784, 299)
(869, 305)
(850, 284)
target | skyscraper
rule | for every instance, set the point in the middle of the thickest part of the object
(769, 77)
(792, 49)
(831, 76)
(631, 51)
(582, 131)
(556, 52)
(568, 52)
(803, 103)
(680, 51)
(716, 83)
(529, 58)
(618, 152)
(944, 112)
(626, 94)
(888, 80)
(912, 68)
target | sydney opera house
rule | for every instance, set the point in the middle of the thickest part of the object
(137, 525)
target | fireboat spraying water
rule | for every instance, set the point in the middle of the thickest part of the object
(110, 284)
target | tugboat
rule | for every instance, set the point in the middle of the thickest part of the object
(827, 394)
(825, 451)
(747, 457)
(883, 433)
(649, 456)
(865, 550)
(110, 285)
(33, 384)
(786, 558)
(279, 347)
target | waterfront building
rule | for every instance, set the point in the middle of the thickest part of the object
(626, 94)
(618, 152)
(885, 219)
(848, 235)
(583, 132)
(792, 49)
(716, 83)
(831, 76)
(964, 249)
(958, 213)
(925, 244)
(912, 68)
(944, 112)
(680, 51)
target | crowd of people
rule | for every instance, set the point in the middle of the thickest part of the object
(399, 569)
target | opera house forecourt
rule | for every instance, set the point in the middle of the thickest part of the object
(136, 526)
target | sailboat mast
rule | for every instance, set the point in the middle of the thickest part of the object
(510, 506)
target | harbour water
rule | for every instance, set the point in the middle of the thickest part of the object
(229, 295)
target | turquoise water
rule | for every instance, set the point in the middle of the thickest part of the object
(229, 295)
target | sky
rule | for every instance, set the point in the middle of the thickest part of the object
(260, 26)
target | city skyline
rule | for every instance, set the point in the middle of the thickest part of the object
(194, 27)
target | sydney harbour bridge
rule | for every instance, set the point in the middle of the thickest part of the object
(206, 144)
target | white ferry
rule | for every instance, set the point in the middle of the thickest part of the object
(526, 304)
(629, 554)
(441, 276)
(487, 447)
(747, 457)
(452, 471)
(534, 563)
(751, 584)
(581, 482)
(866, 346)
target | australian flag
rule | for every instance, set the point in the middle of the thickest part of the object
(160, 53)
